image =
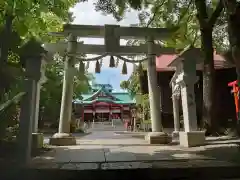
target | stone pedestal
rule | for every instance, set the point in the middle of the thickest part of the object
(158, 138)
(62, 139)
(191, 139)
(37, 140)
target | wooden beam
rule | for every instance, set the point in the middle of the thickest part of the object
(94, 31)
(100, 49)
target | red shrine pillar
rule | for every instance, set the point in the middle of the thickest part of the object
(110, 115)
(83, 113)
(235, 91)
(110, 112)
(122, 109)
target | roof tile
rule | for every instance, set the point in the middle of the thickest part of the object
(163, 61)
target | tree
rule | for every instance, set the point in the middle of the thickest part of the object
(232, 8)
(132, 85)
(207, 21)
(124, 85)
(21, 20)
(119, 7)
(51, 91)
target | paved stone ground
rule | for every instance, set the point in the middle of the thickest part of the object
(110, 150)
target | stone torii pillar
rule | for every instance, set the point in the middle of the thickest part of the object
(153, 89)
(157, 136)
(63, 137)
(186, 77)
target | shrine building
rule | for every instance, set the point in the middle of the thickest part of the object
(224, 101)
(102, 104)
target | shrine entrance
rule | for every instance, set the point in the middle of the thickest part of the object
(184, 78)
(101, 117)
(73, 50)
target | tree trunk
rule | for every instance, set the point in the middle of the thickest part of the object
(207, 23)
(208, 112)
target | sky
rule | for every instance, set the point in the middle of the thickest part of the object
(84, 13)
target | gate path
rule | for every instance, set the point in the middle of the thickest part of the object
(108, 150)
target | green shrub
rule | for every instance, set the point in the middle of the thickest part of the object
(79, 130)
(8, 122)
(11, 132)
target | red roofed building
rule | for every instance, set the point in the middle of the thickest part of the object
(225, 73)
(163, 61)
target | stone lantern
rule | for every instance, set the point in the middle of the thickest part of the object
(33, 57)
(183, 81)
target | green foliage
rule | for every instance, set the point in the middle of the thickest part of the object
(146, 106)
(118, 7)
(20, 20)
(36, 18)
(132, 85)
(124, 85)
(8, 118)
(79, 130)
(51, 91)
(169, 13)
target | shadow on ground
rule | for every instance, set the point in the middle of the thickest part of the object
(120, 156)
(9, 154)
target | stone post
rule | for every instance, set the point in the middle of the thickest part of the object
(176, 117)
(157, 136)
(37, 137)
(63, 137)
(35, 122)
(38, 91)
(25, 125)
(191, 136)
(185, 76)
(32, 54)
(189, 104)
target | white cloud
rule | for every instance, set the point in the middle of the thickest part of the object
(85, 14)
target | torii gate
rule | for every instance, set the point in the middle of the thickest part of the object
(112, 35)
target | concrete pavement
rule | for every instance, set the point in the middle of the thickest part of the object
(106, 150)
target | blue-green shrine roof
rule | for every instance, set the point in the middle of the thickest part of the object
(104, 95)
